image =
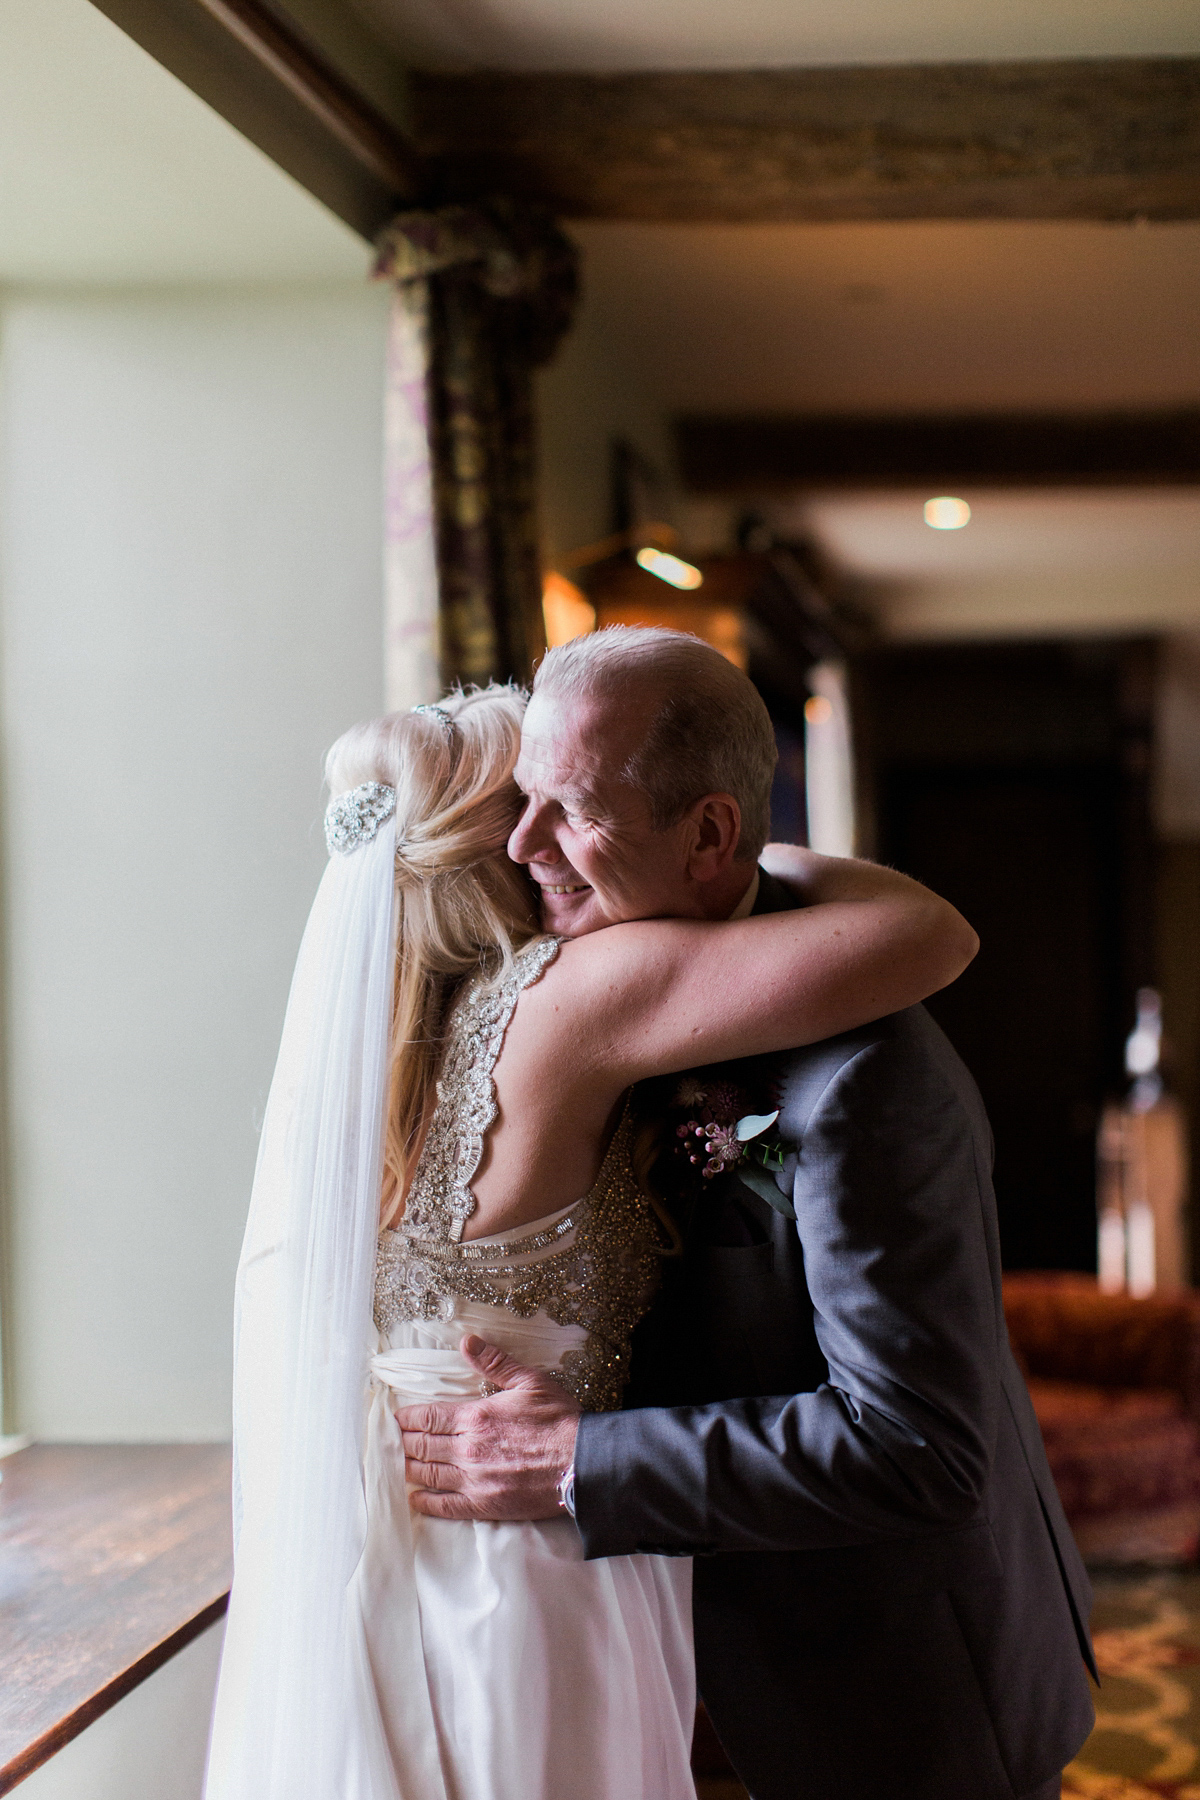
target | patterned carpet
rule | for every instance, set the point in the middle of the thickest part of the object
(1146, 1745)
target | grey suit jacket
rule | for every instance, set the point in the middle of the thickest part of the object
(827, 1415)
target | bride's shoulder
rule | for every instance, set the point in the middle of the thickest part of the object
(616, 957)
(553, 965)
(633, 937)
(590, 1008)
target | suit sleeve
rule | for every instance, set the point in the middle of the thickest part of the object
(899, 1441)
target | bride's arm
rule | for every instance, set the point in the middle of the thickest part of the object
(817, 878)
(660, 995)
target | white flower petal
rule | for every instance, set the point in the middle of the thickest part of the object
(754, 1124)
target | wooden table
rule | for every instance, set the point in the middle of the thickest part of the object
(112, 1558)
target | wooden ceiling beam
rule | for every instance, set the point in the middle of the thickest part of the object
(783, 453)
(1096, 139)
(262, 74)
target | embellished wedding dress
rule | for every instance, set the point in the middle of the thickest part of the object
(501, 1665)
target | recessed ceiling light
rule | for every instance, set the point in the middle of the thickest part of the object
(946, 514)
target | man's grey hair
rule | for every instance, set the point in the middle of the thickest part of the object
(707, 728)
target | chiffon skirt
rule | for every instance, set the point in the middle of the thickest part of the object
(504, 1666)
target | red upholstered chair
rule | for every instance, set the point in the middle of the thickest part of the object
(1115, 1383)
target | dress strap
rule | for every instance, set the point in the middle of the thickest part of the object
(440, 1200)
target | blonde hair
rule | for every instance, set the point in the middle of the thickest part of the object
(707, 729)
(460, 903)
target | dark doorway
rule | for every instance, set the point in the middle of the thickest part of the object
(1012, 780)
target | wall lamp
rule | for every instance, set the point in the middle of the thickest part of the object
(669, 568)
(568, 612)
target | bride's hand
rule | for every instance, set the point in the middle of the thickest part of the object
(499, 1457)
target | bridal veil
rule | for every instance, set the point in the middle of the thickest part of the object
(292, 1719)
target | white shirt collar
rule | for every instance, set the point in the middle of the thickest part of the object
(745, 905)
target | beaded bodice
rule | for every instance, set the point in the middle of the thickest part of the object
(594, 1265)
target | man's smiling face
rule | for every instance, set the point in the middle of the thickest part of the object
(586, 834)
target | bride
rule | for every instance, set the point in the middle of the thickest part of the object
(373, 1653)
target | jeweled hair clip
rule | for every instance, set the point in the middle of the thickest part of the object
(354, 818)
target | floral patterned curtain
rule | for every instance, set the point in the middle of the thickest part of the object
(484, 293)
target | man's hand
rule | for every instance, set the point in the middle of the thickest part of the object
(497, 1458)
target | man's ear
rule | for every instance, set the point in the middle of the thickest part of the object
(716, 821)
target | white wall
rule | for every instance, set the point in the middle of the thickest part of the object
(190, 598)
(112, 171)
(590, 394)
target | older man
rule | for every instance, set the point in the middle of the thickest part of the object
(823, 1409)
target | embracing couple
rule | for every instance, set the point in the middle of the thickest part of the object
(620, 1303)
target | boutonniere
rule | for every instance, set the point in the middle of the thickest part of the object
(715, 1140)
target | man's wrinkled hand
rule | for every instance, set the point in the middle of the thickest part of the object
(500, 1457)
